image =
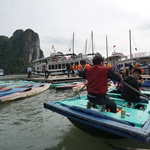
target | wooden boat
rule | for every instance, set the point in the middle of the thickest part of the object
(70, 86)
(4, 89)
(24, 94)
(57, 61)
(146, 84)
(65, 87)
(112, 92)
(133, 122)
(14, 90)
(54, 85)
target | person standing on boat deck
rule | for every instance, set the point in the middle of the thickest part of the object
(29, 70)
(68, 69)
(46, 70)
(79, 69)
(76, 70)
(97, 77)
(127, 93)
(87, 66)
(72, 69)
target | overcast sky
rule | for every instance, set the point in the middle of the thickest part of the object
(56, 20)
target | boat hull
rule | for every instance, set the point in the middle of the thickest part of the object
(87, 120)
(36, 89)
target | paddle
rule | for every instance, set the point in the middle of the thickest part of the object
(82, 89)
(135, 90)
(78, 92)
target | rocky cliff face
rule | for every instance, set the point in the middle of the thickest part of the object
(19, 50)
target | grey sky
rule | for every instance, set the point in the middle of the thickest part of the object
(56, 20)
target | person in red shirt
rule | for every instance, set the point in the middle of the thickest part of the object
(97, 77)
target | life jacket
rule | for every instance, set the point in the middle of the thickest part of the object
(73, 67)
(79, 67)
(87, 66)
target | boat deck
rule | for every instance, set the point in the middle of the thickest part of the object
(51, 79)
(146, 77)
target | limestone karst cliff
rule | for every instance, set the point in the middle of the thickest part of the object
(19, 50)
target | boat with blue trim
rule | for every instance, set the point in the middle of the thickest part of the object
(132, 123)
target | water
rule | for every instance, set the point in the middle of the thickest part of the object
(26, 125)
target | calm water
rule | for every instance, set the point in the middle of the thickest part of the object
(26, 125)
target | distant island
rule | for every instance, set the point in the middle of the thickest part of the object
(18, 51)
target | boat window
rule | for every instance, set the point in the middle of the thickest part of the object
(59, 66)
(52, 66)
(49, 67)
(63, 66)
(126, 65)
(55, 66)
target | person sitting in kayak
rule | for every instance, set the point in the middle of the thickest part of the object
(127, 93)
(97, 77)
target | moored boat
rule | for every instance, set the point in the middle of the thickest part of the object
(146, 84)
(18, 89)
(112, 92)
(21, 93)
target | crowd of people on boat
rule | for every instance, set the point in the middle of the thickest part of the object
(76, 69)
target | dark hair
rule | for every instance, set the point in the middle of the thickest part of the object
(97, 59)
(138, 70)
(131, 67)
(126, 73)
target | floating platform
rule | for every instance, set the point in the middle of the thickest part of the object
(56, 79)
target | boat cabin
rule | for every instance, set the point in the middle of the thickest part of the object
(57, 63)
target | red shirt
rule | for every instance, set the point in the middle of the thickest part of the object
(97, 77)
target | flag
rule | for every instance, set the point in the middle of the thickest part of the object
(52, 46)
(69, 49)
(136, 49)
(114, 46)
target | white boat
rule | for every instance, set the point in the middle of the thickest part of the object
(57, 62)
(121, 61)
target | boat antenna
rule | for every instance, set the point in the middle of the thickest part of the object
(86, 47)
(107, 48)
(133, 40)
(73, 44)
(92, 42)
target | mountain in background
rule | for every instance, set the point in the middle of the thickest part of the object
(18, 51)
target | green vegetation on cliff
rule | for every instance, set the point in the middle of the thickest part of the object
(17, 51)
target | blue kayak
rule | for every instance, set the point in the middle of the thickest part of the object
(14, 90)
